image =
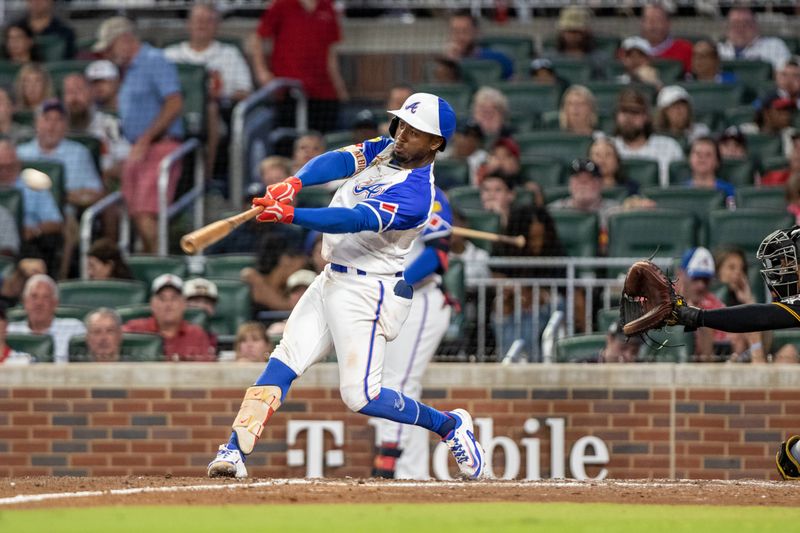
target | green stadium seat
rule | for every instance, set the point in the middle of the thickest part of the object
(24, 117)
(782, 337)
(465, 197)
(7, 265)
(131, 312)
(59, 70)
(574, 71)
(51, 47)
(483, 221)
(528, 99)
(577, 230)
(737, 115)
(761, 198)
(698, 202)
(545, 171)
(745, 228)
(449, 173)
(458, 95)
(91, 143)
(753, 74)
(669, 345)
(62, 311)
(314, 197)
(761, 145)
(518, 47)
(669, 70)
(455, 285)
(479, 72)
(554, 144)
(135, 348)
(551, 194)
(56, 172)
(640, 233)
(605, 317)
(234, 306)
(194, 86)
(8, 73)
(738, 172)
(607, 44)
(710, 97)
(773, 162)
(615, 193)
(643, 171)
(338, 139)
(38, 346)
(11, 199)
(606, 94)
(679, 173)
(146, 268)
(228, 265)
(107, 293)
(580, 348)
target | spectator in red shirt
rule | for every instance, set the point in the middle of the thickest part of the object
(303, 34)
(655, 27)
(183, 341)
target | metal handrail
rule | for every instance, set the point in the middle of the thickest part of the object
(87, 221)
(237, 146)
(195, 194)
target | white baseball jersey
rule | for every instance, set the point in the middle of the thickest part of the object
(401, 199)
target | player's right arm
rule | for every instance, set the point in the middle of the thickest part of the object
(742, 318)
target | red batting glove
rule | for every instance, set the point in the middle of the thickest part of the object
(274, 211)
(285, 191)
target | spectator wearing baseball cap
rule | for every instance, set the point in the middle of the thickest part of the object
(697, 270)
(634, 135)
(774, 115)
(732, 143)
(636, 56)
(586, 194)
(674, 115)
(575, 41)
(183, 341)
(619, 347)
(201, 294)
(103, 76)
(542, 72)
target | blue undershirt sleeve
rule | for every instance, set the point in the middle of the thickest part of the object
(327, 167)
(337, 219)
(423, 266)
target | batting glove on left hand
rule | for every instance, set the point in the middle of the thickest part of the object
(285, 191)
(274, 211)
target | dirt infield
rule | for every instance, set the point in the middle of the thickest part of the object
(70, 492)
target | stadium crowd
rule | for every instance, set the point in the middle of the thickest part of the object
(592, 127)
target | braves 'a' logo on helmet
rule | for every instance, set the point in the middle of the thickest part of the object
(412, 107)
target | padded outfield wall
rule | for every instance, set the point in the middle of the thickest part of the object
(638, 421)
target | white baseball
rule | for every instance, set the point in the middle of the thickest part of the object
(36, 179)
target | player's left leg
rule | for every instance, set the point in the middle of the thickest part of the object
(363, 316)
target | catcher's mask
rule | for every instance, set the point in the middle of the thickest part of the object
(428, 113)
(778, 254)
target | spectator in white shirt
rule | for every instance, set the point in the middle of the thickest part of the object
(635, 138)
(675, 116)
(40, 299)
(744, 42)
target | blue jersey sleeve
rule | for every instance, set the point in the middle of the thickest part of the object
(405, 205)
(440, 225)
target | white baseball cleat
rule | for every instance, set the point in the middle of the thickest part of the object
(465, 448)
(227, 463)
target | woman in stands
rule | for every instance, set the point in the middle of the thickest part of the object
(578, 113)
(18, 45)
(32, 86)
(106, 262)
(604, 153)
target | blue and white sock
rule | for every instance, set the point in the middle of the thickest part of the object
(398, 407)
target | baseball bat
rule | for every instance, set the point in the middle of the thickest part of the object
(196, 241)
(514, 240)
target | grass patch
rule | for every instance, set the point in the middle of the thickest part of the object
(405, 518)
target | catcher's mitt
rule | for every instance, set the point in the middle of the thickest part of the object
(788, 466)
(648, 300)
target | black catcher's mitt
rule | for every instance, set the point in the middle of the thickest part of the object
(648, 300)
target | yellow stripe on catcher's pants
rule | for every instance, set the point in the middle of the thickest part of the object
(259, 404)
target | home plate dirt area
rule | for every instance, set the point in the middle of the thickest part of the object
(38, 492)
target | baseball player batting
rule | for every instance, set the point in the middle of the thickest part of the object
(360, 301)
(403, 450)
(778, 253)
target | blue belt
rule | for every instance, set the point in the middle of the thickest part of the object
(344, 270)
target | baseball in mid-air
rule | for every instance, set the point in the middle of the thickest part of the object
(36, 179)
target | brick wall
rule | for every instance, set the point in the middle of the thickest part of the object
(169, 419)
